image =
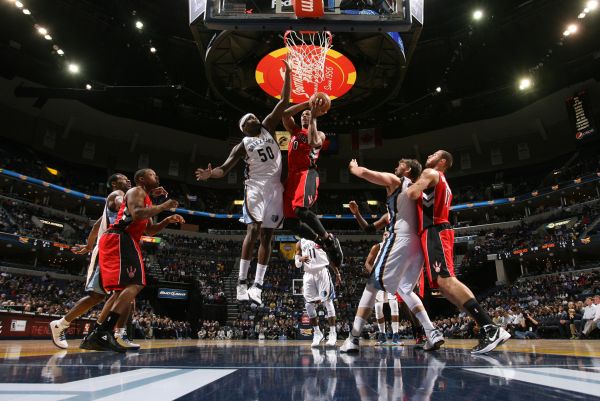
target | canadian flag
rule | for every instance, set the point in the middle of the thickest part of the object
(366, 139)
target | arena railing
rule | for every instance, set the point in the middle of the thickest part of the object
(589, 178)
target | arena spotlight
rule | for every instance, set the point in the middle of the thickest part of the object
(153, 49)
(60, 52)
(26, 11)
(581, 15)
(525, 83)
(42, 31)
(139, 24)
(18, 4)
(88, 87)
(477, 15)
(572, 28)
(47, 37)
(592, 5)
(438, 89)
(73, 68)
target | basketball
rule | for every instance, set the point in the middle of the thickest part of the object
(326, 101)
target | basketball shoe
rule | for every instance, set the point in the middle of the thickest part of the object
(242, 291)
(254, 294)
(124, 341)
(57, 330)
(489, 338)
(435, 340)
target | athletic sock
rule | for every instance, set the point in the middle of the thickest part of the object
(424, 319)
(260, 274)
(477, 312)
(381, 327)
(395, 327)
(244, 267)
(357, 326)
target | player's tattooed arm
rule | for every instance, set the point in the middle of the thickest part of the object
(272, 120)
(429, 178)
(237, 153)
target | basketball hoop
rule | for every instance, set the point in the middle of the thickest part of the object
(307, 52)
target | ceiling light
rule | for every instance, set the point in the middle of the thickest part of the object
(18, 4)
(592, 4)
(60, 52)
(581, 15)
(572, 28)
(566, 33)
(26, 11)
(477, 15)
(73, 68)
(524, 84)
(438, 89)
(42, 31)
(139, 24)
(153, 49)
(47, 37)
(88, 87)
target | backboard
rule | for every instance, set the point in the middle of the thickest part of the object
(339, 15)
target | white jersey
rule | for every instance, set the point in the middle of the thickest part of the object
(318, 257)
(402, 211)
(108, 218)
(263, 157)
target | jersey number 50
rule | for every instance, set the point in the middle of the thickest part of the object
(265, 156)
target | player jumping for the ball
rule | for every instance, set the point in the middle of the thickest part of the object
(263, 192)
(301, 186)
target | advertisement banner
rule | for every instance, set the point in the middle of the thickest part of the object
(172, 293)
(288, 250)
(579, 109)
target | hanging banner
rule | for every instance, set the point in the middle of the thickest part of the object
(579, 108)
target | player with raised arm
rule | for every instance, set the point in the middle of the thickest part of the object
(121, 263)
(317, 287)
(118, 184)
(433, 196)
(399, 260)
(302, 183)
(417, 328)
(263, 191)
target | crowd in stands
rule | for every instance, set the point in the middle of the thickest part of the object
(147, 325)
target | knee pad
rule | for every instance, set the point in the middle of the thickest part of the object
(311, 310)
(379, 310)
(412, 300)
(393, 307)
(330, 308)
(367, 300)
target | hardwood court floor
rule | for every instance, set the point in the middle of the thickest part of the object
(273, 370)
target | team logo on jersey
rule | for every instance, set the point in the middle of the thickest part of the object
(131, 271)
(437, 266)
(324, 294)
(274, 218)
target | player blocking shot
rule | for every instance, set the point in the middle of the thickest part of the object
(263, 191)
(318, 287)
(302, 183)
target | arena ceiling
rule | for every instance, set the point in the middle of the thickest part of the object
(475, 64)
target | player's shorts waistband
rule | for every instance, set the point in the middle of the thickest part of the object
(439, 227)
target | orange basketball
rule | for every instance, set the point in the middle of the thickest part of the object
(326, 101)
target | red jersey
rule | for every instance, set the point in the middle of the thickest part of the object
(124, 221)
(433, 208)
(301, 156)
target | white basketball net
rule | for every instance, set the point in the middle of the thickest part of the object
(307, 52)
